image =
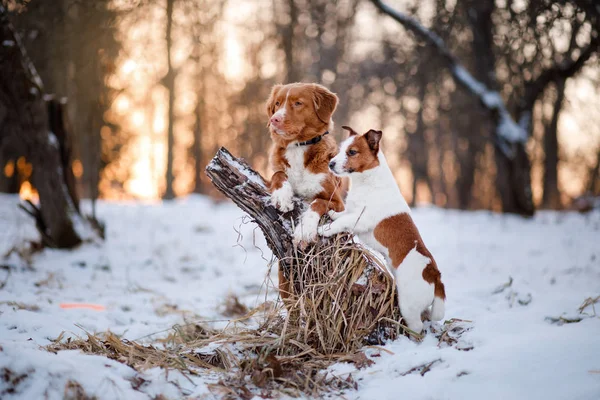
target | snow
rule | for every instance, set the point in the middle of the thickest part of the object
(467, 79)
(248, 173)
(165, 263)
(8, 43)
(509, 129)
(53, 140)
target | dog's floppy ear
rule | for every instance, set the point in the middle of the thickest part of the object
(271, 101)
(373, 139)
(351, 132)
(325, 103)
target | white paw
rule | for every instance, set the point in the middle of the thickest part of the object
(325, 230)
(283, 198)
(303, 235)
(334, 214)
(306, 230)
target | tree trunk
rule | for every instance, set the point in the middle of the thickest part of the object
(418, 151)
(170, 85)
(25, 125)
(57, 117)
(551, 198)
(9, 176)
(197, 147)
(593, 184)
(291, 69)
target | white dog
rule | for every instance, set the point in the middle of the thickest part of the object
(378, 214)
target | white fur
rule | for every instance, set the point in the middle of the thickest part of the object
(281, 113)
(438, 309)
(306, 230)
(415, 294)
(282, 198)
(305, 183)
(373, 197)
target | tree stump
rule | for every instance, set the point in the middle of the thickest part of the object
(341, 294)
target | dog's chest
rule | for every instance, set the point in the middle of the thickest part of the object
(305, 183)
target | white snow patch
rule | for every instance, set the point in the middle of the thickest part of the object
(467, 79)
(53, 140)
(510, 130)
(251, 175)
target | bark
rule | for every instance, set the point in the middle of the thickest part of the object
(170, 85)
(57, 121)
(25, 125)
(197, 147)
(291, 70)
(418, 152)
(551, 198)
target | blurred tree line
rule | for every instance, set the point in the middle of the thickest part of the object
(160, 82)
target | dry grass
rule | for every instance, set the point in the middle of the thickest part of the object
(341, 300)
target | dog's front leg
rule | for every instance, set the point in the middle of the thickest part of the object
(335, 215)
(282, 193)
(306, 230)
(345, 222)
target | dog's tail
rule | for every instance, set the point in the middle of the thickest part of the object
(438, 309)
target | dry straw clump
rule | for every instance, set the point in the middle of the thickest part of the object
(341, 299)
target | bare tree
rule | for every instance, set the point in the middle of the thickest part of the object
(169, 82)
(25, 123)
(509, 134)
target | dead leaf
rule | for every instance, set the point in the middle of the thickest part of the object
(361, 361)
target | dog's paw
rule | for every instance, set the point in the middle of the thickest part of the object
(283, 198)
(304, 236)
(325, 230)
(334, 214)
(306, 230)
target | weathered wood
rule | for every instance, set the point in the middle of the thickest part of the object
(248, 190)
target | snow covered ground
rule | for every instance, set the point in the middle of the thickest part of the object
(163, 263)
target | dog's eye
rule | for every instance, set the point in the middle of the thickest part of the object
(352, 152)
(277, 104)
(297, 104)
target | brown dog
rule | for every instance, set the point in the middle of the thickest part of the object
(300, 121)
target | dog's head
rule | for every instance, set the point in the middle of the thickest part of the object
(300, 111)
(358, 153)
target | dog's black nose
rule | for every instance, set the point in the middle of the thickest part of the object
(332, 165)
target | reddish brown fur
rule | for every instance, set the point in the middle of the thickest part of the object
(400, 235)
(361, 155)
(304, 122)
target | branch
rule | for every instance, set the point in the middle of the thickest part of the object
(507, 132)
(248, 190)
(559, 71)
